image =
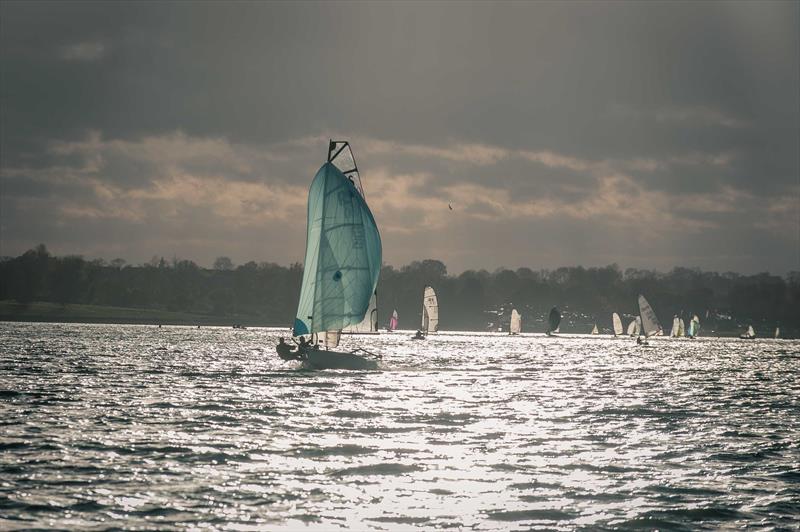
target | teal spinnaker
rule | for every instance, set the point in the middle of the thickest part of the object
(343, 255)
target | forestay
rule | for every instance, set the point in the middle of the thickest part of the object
(650, 325)
(343, 255)
(430, 311)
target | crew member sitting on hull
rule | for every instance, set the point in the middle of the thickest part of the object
(419, 335)
(287, 353)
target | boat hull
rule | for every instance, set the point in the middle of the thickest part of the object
(322, 359)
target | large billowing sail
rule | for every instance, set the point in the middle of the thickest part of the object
(650, 325)
(617, 323)
(553, 320)
(343, 255)
(516, 322)
(430, 311)
(369, 325)
(393, 321)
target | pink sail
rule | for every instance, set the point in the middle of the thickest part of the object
(393, 321)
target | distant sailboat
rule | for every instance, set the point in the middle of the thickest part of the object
(341, 267)
(430, 313)
(594, 329)
(393, 321)
(515, 327)
(553, 321)
(675, 327)
(749, 334)
(681, 328)
(617, 323)
(777, 332)
(632, 328)
(649, 320)
(369, 325)
(694, 327)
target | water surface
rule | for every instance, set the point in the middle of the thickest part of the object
(139, 427)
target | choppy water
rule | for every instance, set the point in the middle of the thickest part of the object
(137, 427)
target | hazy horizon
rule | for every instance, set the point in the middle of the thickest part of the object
(650, 135)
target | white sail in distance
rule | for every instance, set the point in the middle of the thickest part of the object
(681, 327)
(632, 328)
(650, 325)
(594, 329)
(516, 322)
(617, 323)
(430, 311)
(675, 327)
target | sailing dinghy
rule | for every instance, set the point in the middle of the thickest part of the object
(617, 323)
(594, 329)
(553, 321)
(430, 314)
(673, 333)
(341, 268)
(393, 321)
(694, 327)
(515, 327)
(649, 320)
(749, 334)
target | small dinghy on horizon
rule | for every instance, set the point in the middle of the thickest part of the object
(553, 321)
(749, 334)
(649, 321)
(617, 325)
(515, 326)
(430, 314)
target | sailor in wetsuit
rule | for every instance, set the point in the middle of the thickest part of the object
(419, 335)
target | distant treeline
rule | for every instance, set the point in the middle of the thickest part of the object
(266, 293)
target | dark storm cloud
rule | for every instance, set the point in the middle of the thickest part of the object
(171, 126)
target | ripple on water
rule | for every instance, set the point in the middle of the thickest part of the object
(145, 428)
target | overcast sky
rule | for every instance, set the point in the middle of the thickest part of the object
(650, 135)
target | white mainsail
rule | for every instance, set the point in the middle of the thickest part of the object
(617, 324)
(777, 332)
(369, 325)
(632, 328)
(594, 329)
(430, 311)
(516, 322)
(650, 325)
(675, 327)
(681, 327)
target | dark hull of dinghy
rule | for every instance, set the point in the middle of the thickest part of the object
(321, 359)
